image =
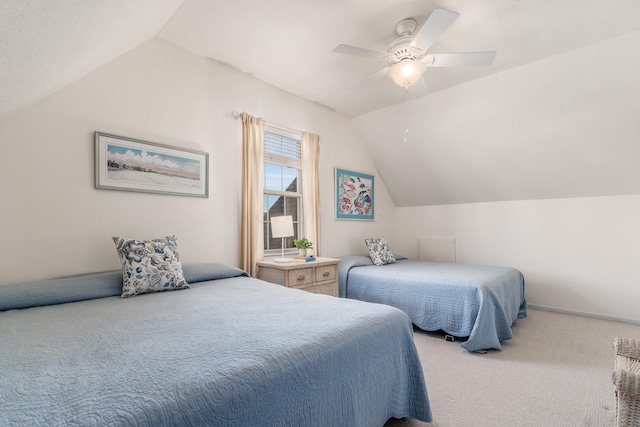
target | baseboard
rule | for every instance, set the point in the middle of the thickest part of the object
(585, 314)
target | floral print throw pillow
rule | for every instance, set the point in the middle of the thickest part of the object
(149, 265)
(379, 251)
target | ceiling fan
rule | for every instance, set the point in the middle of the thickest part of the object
(407, 55)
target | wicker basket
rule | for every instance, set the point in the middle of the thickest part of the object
(626, 379)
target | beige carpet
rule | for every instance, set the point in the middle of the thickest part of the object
(556, 371)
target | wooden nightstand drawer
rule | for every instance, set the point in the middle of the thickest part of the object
(319, 277)
(326, 272)
(300, 277)
(329, 288)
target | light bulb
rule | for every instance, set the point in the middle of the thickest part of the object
(406, 72)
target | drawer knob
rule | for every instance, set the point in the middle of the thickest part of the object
(301, 277)
(325, 274)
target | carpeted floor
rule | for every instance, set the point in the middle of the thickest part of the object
(556, 371)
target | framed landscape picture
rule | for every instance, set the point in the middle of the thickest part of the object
(133, 165)
(354, 195)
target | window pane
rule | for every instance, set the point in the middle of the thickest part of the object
(291, 204)
(267, 233)
(280, 178)
(276, 206)
(273, 206)
(289, 240)
(272, 177)
(290, 179)
(276, 242)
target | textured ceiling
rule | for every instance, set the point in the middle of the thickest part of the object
(289, 43)
(555, 115)
(45, 44)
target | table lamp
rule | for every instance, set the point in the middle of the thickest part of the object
(282, 226)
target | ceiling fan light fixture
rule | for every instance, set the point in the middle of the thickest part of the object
(406, 72)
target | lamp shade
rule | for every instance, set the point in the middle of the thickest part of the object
(406, 72)
(282, 226)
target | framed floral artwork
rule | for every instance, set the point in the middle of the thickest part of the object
(354, 195)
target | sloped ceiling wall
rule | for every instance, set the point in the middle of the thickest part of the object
(564, 126)
(288, 43)
(45, 45)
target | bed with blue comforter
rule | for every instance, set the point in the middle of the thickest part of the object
(229, 351)
(474, 301)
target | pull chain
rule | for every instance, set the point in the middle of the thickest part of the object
(406, 103)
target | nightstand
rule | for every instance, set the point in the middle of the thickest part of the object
(319, 276)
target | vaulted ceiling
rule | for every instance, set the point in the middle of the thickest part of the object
(45, 45)
(289, 43)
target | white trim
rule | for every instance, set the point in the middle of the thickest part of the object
(276, 159)
(280, 130)
(585, 314)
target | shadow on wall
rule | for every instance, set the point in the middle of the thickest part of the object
(545, 296)
(437, 249)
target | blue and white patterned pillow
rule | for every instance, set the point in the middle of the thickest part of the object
(379, 251)
(149, 265)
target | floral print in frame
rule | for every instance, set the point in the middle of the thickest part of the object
(354, 195)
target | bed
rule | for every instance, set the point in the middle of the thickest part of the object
(229, 351)
(479, 303)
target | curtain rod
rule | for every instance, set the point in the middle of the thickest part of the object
(236, 115)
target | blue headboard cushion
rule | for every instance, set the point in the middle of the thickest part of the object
(194, 273)
(87, 286)
(60, 290)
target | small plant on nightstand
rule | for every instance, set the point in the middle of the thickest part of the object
(303, 244)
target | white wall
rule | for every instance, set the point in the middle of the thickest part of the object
(578, 255)
(55, 222)
(561, 136)
(563, 126)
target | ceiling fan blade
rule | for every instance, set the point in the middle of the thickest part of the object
(433, 28)
(359, 51)
(375, 76)
(418, 89)
(467, 59)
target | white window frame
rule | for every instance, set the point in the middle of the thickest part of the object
(287, 162)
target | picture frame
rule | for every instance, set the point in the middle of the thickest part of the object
(129, 164)
(355, 195)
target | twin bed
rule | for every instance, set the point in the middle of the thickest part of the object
(229, 351)
(479, 303)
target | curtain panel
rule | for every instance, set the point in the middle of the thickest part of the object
(252, 225)
(311, 189)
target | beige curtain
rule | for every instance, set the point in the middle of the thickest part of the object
(252, 233)
(311, 189)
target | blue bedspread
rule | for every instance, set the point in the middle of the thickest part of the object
(479, 302)
(234, 351)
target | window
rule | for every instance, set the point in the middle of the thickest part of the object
(282, 193)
